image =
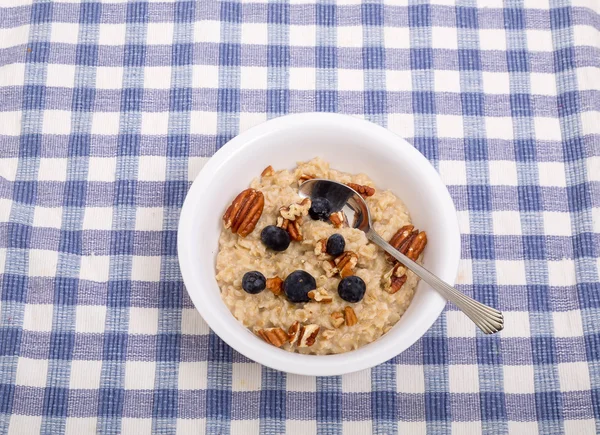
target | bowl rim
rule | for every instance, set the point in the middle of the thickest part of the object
(313, 365)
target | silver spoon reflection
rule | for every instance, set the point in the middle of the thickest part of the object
(343, 198)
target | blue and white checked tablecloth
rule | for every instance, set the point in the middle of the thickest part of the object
(108, 110)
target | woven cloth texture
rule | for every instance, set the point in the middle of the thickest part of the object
(109, 109)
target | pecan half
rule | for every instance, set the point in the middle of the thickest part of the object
(275, 336)
(417, 246)
(337, 319)
(268, 171)
(308, 335)
(365, 191)
(338, 219)
(394, 279)
(320, 295)
(399, 238)
(350, 316)
(293, 332)
(297, 210)
(305, 177)
(346, 263)
(275, 284)
(243, 213)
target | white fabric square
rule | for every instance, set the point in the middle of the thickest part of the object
(111, 34)
(246, 377)
(105, 123)
(302, 36)
(412, 427)
(192, 322)
(246, 427)
(398, 80)
(552, 174)
(102, 169)
(395, 37)
(516, 324)
(466, 428)
(499, 127)
(60, 75)
(97, 218)
(5, 207)
(580, 427)
(536, 4)
(66, 33)
(155, 123)
(446, 81)
(357, 382)
(248, 120)
(357, 427)
(507, 222)
(492, 39)
(90, 318)
(207, 31)
(80, 425)
(574, 376)
(557, 223)
(85, 374)
(539, 40)
(95, 268)
(145, 268)
(24, 424)
(143, 320)
(42, 262)
(586, 78)
(543, 83)
(157, 77)
(403, 124)
(149, 219)
(463, 378)
(8, 170)
(160, 33)
(192, 375)
(13, 36)
(11, 123)
(547, 128)
(195, 164)
(152, 168)
(510, 272)
(591, 122)
(56, 122)
(503, 173)
(38, 317)
(518, 379)
(205, 76)
(562, 273)
(567, 323)
(194, 426)
(139, 375)
(301, 383)
(52, 169)
(351, 79)
(255, 33)
(304, 427)
(203, 122)
(464, 222)
(465, 271)
(32, 372)
(459, 325)
(352, 36)
(453, 172)
(13, 75)
(109, 77)
(592, 164)
(450, 126)
(522, 427)
(253, 77)
(497, 83)
(302, 78)
(136, 426)
(410, 379)
(444, 37)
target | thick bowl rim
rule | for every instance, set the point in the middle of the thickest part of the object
(314, 365)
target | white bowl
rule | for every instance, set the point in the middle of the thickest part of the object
(350, 145)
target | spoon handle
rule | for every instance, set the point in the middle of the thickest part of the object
(488, 319)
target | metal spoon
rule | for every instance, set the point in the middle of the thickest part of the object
(343, 198)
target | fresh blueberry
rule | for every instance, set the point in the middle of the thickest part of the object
(254, 282)
(297, 285)
(275, 238)
(352, 288)
(336, 245)
(320, 209)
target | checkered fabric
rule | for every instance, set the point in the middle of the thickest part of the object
(108, 110)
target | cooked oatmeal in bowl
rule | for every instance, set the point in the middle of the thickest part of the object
(295, 274)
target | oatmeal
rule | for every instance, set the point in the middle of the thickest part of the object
(347, 292)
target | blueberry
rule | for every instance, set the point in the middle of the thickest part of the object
(254, 282)
(275, 238)
(297, 285)
(320, 209)
(336, 245)
(352, 289)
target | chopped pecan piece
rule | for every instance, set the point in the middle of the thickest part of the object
(320, 295)
(294, 211)
(365, 191)
(293, 332)
(275, 336)
(275, 284)
(330, 268)
(293, 228)
(268, 171)
(395, 278)
(243, 213)
(321, 249)
(350, 316)
(307, 335)
(305, 177)
(338, 219)
(337, 319)
(346, 263)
